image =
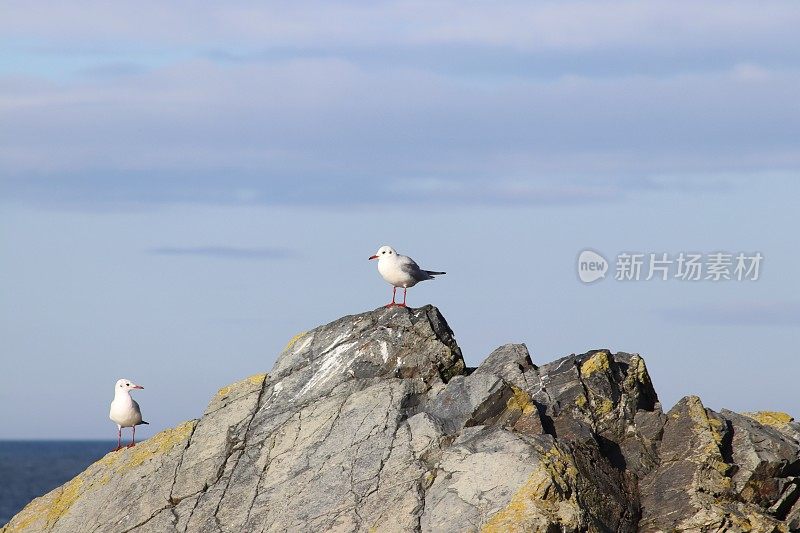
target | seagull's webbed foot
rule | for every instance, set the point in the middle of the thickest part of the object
(118, 448)
(131, 445)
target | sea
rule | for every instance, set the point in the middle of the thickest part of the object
(31, 468)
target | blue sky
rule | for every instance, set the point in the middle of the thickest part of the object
(184, 187)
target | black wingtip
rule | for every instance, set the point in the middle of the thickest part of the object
(143, 423)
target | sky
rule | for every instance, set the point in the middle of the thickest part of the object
(186, 186)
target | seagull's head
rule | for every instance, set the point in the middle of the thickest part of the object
(384, 251)
(126, 385)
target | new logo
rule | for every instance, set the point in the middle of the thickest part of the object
(591, 266)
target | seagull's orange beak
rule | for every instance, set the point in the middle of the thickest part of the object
(373, 257)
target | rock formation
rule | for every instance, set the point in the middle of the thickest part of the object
(373, 423)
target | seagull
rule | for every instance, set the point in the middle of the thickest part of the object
(400, 271)
(125, 411)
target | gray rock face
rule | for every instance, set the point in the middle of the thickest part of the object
(373, 423)
(721, 472)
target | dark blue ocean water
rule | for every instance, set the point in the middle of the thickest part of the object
(32, 468)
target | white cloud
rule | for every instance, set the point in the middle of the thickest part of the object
(320, 114)
(260, 127)
(524, 25)
(747, 72)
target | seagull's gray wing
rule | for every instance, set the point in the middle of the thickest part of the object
(411, 268)
(138, 411)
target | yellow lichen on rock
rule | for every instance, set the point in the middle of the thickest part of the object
(717, 429)
(520, 401)
(157, 445)
(639, 369)
(715, 456)
(710, 432)
(698, 414)
(736, 518)
(637, 372)
(600, 361)
(518, 514)
(560, 466)
(42, 513)
(293, 340)
(255, 379)
(770, 418)
(25, 518)
(544, 499)
(428, 478)
(69, 494)
(605, 406)
(46, 510)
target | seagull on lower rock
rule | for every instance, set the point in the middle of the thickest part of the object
(125, 411)
(400, 271)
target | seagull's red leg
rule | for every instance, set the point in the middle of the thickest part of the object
(133, 438)
(404, 298)
(394, 291)
(119, 438)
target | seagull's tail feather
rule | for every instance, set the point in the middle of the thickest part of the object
(433, 273)
(143, 423)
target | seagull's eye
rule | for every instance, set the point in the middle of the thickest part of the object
(383, 252)
(127, 384)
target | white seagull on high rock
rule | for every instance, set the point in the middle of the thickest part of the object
(400, 271)
(125, 411)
